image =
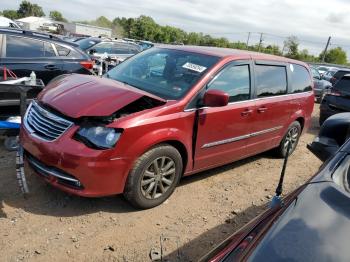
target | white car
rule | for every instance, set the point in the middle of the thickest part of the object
(5, 22)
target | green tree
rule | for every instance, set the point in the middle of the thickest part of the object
(335, 56)
(291, 44)
(57, 16)
(144, 27)
(272, 49)
(26, 8)
(11, 14)
(103, 22)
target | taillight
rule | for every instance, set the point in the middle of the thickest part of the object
(332, 92)
(87, 64)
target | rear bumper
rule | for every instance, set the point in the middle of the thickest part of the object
(84, 172)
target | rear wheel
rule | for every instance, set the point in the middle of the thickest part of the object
(154, 177)
(292, 136)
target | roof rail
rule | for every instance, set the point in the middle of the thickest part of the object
(32, 33)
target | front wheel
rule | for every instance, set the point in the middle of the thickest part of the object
(292, 136)
(154, 177)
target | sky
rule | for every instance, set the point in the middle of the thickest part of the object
(312, 21)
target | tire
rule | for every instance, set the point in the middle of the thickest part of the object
(11, 143)
(164, 158)
(281, 150)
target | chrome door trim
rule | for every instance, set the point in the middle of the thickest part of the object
(238, 138)
(252, 100)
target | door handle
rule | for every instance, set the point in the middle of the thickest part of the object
(262, 109)
(51, 67)
(246, 112)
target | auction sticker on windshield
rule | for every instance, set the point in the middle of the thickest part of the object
(194, 67)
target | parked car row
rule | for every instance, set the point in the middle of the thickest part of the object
(320, 85)
(174, 111)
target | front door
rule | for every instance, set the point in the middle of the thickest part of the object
(223, 131)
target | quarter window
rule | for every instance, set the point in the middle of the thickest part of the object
(301, 80)
(62, 51)
(48, 50)
(234, 80)
(270, 80)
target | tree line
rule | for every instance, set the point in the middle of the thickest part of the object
(145, 28)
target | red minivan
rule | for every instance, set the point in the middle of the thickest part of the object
(167, 112)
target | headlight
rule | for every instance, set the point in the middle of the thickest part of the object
(99, 136)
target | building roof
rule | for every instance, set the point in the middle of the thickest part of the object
(93, 26)
(33, 19)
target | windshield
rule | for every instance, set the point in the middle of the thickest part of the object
(321, 68)
(86, 43)
(166, 73)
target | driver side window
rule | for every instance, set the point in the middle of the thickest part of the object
(235, 81)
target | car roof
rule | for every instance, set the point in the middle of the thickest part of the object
(35, 34)
(121, 43)
(344, 70)
(229, 52)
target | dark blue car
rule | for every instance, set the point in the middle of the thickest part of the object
(313, 222)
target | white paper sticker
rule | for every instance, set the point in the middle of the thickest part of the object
(194, 67)
(291, 67)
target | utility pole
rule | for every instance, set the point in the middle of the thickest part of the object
(260, 41)
(248, 40)
(325, 50)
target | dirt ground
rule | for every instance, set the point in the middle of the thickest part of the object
(52, 226)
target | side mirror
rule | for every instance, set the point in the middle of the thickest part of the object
(92, 51)
(215, 98)
(333, 134)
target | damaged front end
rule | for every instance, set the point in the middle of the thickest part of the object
(94, 133)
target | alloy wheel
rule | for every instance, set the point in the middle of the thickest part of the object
(292, 137)
(158, 177)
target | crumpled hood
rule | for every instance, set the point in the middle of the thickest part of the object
(82, 95)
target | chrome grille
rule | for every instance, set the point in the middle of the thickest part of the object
(44, 124)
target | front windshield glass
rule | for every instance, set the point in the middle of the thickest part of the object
(86, 43)
(166, 73)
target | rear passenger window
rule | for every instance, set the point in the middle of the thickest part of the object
(301, 80)
(270, 80)
(234, 80)
(23, 47)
